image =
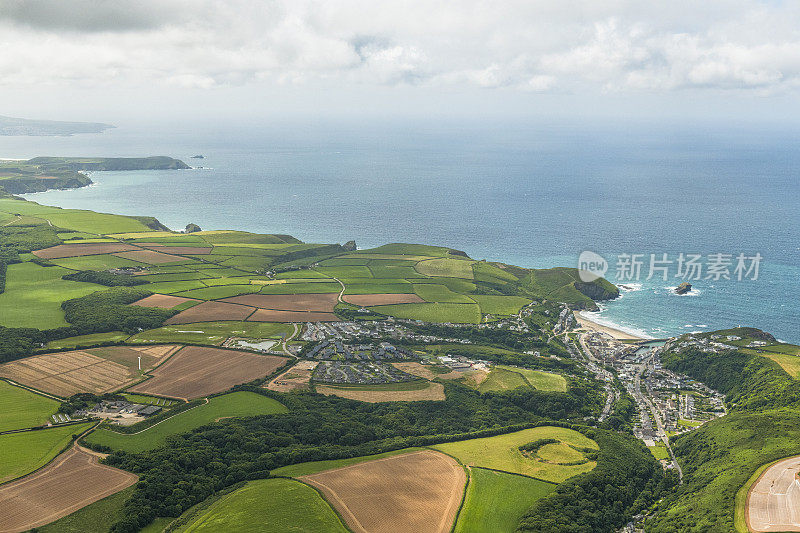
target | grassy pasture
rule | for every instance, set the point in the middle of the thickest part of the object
(33, 296)
(171, 287)
(433, 292)
(500, 379)
(502, 453)
(434, 312)
(539, 380)
(345, 272)
(175, 276)
(268, 505)
(23, 408)
(306, 273)
(22, 453)
(212, 332)
(500, 305)
(495, 501)
(76, 219)
(378, 287)
(235, 404)
(487, 272)
(309, 287)
(87, 340)
(217, 292)
(445, 267)
(388, 271)
(408, 249)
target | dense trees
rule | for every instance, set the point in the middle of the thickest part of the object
(110, 311)
(626, 480)
(316, 427)
(105, 278)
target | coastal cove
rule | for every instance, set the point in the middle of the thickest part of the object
(520, 195)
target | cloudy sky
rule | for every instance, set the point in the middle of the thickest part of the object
(89, 58)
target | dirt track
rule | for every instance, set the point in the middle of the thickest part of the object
(417, 492)
(773, 503)
(72, 481)
(197, 371)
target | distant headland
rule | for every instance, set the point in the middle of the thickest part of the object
(24, 126)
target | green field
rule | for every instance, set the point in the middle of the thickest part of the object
(495, 501)
(22, 453)
(310, 287)
(213, 332)
(76, 219)
(500, 305)
(235, 404)
(659, 451)
(22, 408)
(87, 340)
(33, 296)
(220, 291)
(433, 292)
(268, 505)
(502, 453)
(434, 312)
(539, 380)
(451, 268)
(500, 379)
(97, 517)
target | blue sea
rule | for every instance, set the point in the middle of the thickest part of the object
(530, 194)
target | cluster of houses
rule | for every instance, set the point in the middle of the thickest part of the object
(343, 373)
(338, 350)
(389, 328)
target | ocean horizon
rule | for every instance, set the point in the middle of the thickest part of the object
(531, 195)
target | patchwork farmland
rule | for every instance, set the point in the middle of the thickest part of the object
(194, 372)
(75, 479)
(98, 370)
(416, 492)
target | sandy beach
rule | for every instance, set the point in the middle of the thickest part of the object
(615, 333)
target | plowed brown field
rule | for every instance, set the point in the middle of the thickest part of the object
(163, 301)
(270, 315)
(98, 370)
(72, 481)
(197, 371)
(417, 492)
(288, 302)
(78, 250)
(212, 311)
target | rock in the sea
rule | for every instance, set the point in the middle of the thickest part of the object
(350, 246)
(683, 288)
(191, 228)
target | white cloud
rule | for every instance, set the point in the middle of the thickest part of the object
(536, 46)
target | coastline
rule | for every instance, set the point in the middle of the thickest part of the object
(616, 333)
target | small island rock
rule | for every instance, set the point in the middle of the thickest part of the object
(191, 228)
(683, 288)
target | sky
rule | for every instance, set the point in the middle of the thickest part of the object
(104, 60)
